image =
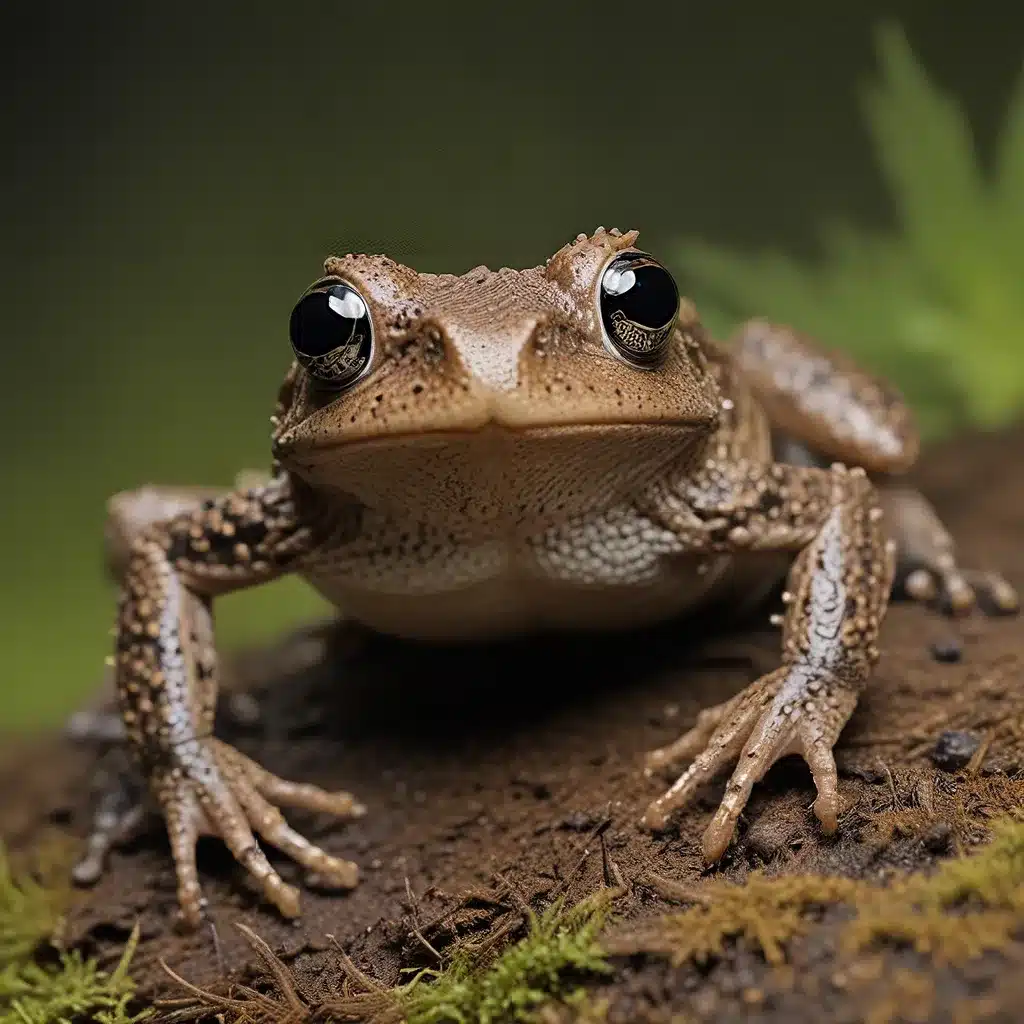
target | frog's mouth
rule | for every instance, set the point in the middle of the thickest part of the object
(498, 480)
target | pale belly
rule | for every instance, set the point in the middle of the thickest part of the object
(618, 572)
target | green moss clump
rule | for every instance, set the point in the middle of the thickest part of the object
(72, 989)
(559, 944)
(538, 975)
(30, 911)
(41, 991)
(936, 304)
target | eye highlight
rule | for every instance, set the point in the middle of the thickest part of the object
(332, 334)
(639, 303)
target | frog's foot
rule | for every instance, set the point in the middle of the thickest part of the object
(793, 710)
(227, 795)
(927, 569)
(214, 789)
(959, 591)
(120, 809)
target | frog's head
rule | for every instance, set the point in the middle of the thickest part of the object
(507, 399)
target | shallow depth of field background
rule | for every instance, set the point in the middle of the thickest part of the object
(174, 176)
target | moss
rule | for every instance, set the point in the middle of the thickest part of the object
(538, 975)
(31, 904)
(934, 304)
(72, 989)
(767, 912)
(967, 906)
(41, 989)
(560, 944)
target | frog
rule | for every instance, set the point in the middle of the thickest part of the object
(500, 453)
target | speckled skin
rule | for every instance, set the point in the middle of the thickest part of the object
(500, 471)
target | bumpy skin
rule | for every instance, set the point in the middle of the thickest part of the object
(499, 470)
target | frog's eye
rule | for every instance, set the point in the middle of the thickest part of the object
(639, 304)
(332, 335)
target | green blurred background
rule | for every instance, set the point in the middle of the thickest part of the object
(174, 175)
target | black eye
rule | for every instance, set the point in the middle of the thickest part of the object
(332, 336)
(639, 305)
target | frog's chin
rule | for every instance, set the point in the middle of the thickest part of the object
(498, 481)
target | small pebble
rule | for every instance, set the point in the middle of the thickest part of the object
(954, 748)
(948, 650)
(939, 838)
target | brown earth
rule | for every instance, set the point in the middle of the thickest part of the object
(495, 775)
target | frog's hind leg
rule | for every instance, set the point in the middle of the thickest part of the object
(823, 408)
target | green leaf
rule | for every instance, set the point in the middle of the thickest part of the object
(926, 152)
(936, 305)
(1009, 177)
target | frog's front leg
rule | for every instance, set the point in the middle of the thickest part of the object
(118, 805)
(166, 680)
(129, 514)
(833, 409)
(837, 593)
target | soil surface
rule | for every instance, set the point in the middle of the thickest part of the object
(494, 775)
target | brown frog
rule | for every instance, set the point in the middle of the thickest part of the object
(562, 447)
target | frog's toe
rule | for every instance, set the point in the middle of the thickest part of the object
(716, 741)
(185, 823)
(206, 795)
(789, 711)
(255, 788)
(217, 790)
(958, 591)
(300, 795)
(994, 594)
(691, 743)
